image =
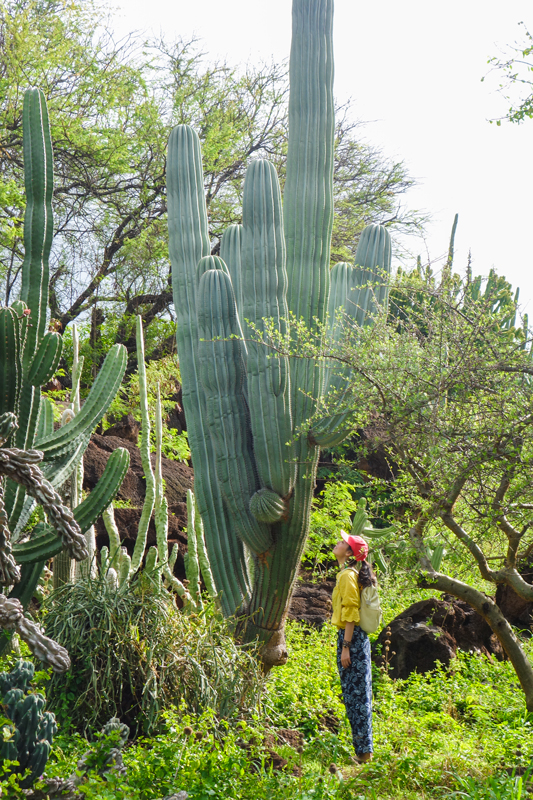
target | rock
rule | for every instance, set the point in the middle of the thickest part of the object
(178, 478)
(515, 609)
(270, 759)
(311, 602)
(126, 428)
(432, 631)
(176, 417)
(290, 736)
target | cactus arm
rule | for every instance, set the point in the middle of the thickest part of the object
(100, 397)
(222, 372)
(88, 567)
(105, 490)
(308, 197)
(368, 287)
(173, 557)
(10, 364)
(264, 281)
(203, 558)
(46, 359)
(188, 243)
(149, 498)
(161, 510)
(307, 208)
(45, 423)
(357, 293)
(24, 589)
(230, 253)
(38, 217)
(77, 367)
(114, 536)
(192, 567)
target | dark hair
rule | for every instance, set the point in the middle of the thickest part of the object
(366, 576)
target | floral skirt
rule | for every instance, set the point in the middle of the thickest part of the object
(356, 682)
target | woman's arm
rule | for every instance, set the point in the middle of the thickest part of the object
(348, 634)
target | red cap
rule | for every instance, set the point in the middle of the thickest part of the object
(358, 545)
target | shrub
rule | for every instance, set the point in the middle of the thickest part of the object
(134, 654)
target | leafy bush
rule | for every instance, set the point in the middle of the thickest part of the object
(134, 654)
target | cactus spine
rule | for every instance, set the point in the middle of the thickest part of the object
(254, 467)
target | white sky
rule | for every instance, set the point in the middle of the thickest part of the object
(413, 70)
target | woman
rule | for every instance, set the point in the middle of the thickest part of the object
(353, 646)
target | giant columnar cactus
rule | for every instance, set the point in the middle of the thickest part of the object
(246, 410)
(28, 358)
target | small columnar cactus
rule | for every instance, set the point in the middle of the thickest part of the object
(158, 564)
(29, 738)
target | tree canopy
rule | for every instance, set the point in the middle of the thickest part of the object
(112, 104)
(442, 383)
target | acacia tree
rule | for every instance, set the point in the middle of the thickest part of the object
(112, 105)
(446, 387)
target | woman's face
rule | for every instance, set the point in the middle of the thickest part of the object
(342, 549)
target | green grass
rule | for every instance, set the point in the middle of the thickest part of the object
(461, 731)
(457, 733)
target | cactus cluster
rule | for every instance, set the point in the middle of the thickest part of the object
(158, 563)
(247, 409)
(29, 355)
(29, 738)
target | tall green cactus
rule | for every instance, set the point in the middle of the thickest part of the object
(28, 358)
(254, 467)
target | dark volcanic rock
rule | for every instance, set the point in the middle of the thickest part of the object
(311, 602)
(126, 428)
(178, 478)
(515, 609)
(430, 631)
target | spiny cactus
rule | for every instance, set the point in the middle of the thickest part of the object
(29, 738)
(28, 358)
(106, 755)
(247, 409)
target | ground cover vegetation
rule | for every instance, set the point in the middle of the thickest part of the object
(459, 730)
(435, 374)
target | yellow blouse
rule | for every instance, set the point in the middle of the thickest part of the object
(346, 599)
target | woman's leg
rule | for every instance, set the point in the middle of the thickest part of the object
(356, 682)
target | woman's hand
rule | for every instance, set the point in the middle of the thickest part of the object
(348, 636)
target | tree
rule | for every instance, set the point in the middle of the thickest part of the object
(446, 387)
(112, 105)
(516, 75)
